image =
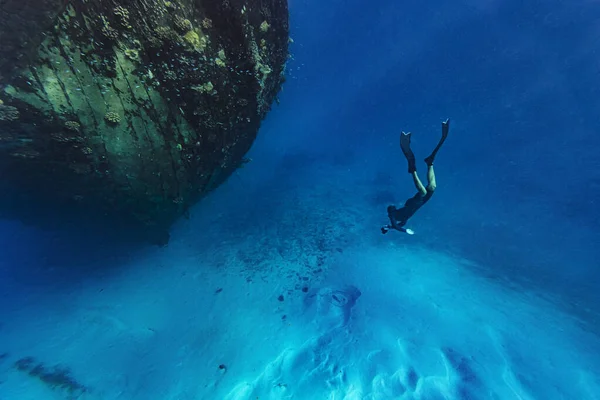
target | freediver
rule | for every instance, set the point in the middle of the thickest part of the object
(399, 216)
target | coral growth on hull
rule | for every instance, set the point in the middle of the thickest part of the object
(131, 111)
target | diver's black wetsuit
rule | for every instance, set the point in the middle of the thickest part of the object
(399, 216)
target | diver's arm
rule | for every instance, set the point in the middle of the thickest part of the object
(386, 228)
(403, 229)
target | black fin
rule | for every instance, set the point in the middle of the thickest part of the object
(408, 153)
(445, 128)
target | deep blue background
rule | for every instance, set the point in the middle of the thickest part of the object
(519, 178)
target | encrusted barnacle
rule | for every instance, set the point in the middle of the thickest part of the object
(112, 118)
(195, 40)
(72, 126)
(164, 33)
(108, 31)
(86, 150)
(264, 69)
(153, 41)
(182, 24)
(204, 88)
(264, 26)
(220, 62)
(123, 14)
(207, 23)
(169, 75)
(132, 54)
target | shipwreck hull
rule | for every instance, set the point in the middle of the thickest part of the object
(131, 111)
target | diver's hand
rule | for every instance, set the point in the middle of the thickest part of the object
(409, 231)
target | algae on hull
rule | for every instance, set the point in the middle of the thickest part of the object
(134, 109)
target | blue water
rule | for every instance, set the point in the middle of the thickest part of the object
(281, 286)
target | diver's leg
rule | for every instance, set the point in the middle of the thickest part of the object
(410, 157)
(445, 128)
(419, 184)
(431, 185)
(408, 153)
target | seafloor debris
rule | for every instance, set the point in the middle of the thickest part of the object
(57, 377)
(139, 108)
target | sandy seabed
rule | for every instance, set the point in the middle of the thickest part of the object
(313, 311)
